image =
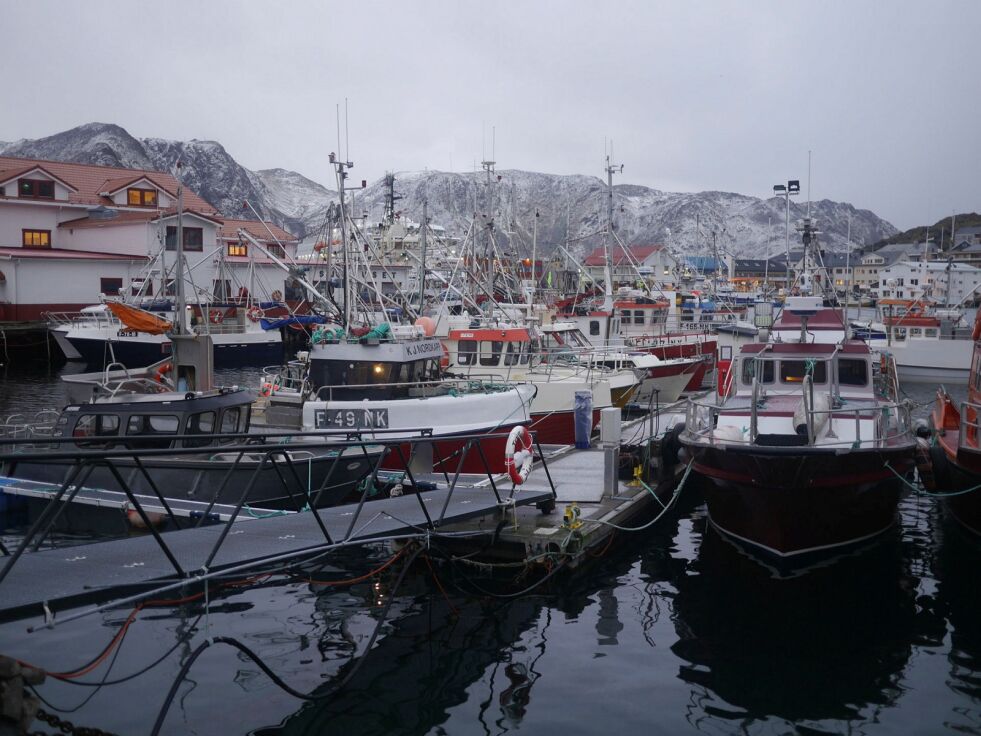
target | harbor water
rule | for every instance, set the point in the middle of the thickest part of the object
(668, 631)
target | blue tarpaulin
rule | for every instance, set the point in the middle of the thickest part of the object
(296, 319)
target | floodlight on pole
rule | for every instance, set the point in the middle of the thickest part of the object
(788, 190)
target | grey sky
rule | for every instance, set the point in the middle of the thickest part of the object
(695, 95)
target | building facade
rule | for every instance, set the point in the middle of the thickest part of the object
(73, 234)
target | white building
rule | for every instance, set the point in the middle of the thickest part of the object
(72, 232)
(652, 262)
(942, 282)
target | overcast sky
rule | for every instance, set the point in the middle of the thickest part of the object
(695, 95)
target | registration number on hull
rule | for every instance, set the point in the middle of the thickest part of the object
(351, 419)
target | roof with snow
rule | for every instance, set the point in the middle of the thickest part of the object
(89, 181)
(261, 231)
(637, 254)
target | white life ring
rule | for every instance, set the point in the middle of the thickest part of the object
(254, 314)
(518, 455)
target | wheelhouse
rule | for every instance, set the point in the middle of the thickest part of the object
(158, 421)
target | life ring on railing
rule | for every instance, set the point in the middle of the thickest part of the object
(444, 362)
(161, 371)
(216, 316)
(518, 455)
(254, 314)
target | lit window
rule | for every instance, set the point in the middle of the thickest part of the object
(37, 238)
(238, 249)
(36, 189)
(141, 197)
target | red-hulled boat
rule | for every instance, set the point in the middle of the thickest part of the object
(956, 454)
(797, 447)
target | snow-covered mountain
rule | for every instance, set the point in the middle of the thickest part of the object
(571, 209)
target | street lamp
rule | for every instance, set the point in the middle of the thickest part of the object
(788, 190)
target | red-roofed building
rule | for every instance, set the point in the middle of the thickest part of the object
(634, 262)
(71, 234)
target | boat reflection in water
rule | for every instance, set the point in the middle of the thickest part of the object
(828, 646)
(956, 563)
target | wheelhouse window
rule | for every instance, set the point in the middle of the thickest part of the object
(762, 369)
(231, 421)
(141, 197)
(513, 351)
(150, 425)
(594, 327)
(466, 353)
(96, 425)
(193, 238)
(35, 189)
(852, 372)
(238, 249)
(110, 286)
(490, 352)
(793, 371)
(36, 238)
(200, 423)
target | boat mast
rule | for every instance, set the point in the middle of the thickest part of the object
(422, 247)
(611, 169)
(179, 265)
(340, 169)
(488, 167)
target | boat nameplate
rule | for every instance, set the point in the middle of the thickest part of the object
(351, 418)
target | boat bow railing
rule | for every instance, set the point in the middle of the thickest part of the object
(891, 423)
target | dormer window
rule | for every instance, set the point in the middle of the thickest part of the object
(141, 197)
(35, 189)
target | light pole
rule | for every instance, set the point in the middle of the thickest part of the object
(788, 190)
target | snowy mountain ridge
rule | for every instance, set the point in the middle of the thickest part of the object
(571, 209)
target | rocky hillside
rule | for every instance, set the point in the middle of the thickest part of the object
(571, 209)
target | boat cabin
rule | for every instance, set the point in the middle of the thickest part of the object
(375, 369)
(780, 368)
(492, 348)
(153, 421)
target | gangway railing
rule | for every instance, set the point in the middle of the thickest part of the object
(275, 451)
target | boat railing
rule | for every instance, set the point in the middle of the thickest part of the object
(969, 437)
(275, 455)
(891, 422)
(82, 319)
(472, 384)
(22, 427)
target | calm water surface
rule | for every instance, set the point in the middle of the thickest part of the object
(673, 631)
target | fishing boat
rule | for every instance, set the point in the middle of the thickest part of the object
(956, 451)
(170, 405)
(386, 383)
(929, 343)
(804, 446)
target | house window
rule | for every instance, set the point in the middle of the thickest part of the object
(36, 189)
(238, 249)
(277, 250)
(141, 197)
(193, 238)
(110, 286)
(37, 238)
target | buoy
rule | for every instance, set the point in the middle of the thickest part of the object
(156, 518)
(162, 370)
(216, 316)
(428, 326)
(254, 313)
(518, 455)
